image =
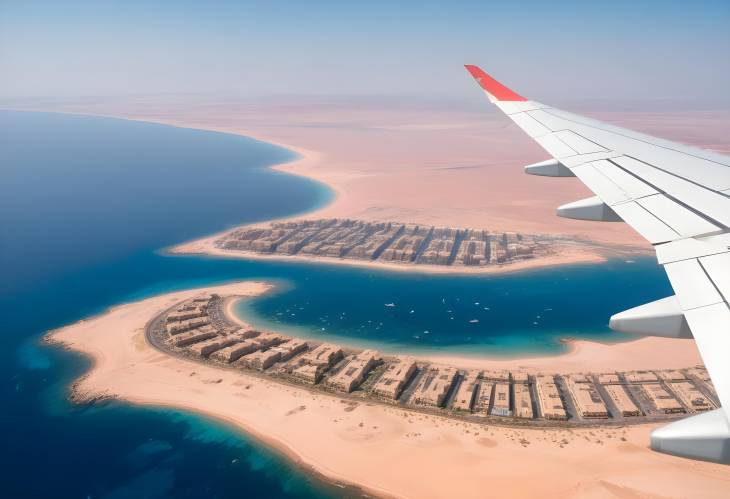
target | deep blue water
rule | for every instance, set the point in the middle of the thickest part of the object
(86, 204)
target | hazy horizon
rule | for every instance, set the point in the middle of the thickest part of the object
(624, 52)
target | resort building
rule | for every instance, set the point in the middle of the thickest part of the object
(672, 375)
(662, 400)
(587, 400)
(701, 379)
(249, 333)
(692, 399)
(397, 374)
(483, 400)
(194, 336)
(501, 376)
(433, 386)
(309, 373)
(500, 400)
(549, 400)
(473, 248)
(187, 325)
(290, 348)
(261, 359)
(353, 374)
(234, 352)
(183, 315)
(203, 299)
(625, 406)
(207, 347)
(406, 247)
(699, 373)
(641, 377)
(464, 397)
(266, 340)
(325, 355)
(609, 379)
(522, 401)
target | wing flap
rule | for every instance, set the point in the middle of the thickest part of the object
(634, 187)
(685, 249)
(709, 326)
(650, 227)
(603, 186)
(530, 125)
(712, 204)
(693, 286)
(718, 268)
(578, 143)
(679, 218)
(556, 147)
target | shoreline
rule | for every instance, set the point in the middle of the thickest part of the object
(360, 444)
(305, 166)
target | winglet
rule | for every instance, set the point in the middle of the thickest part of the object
(496, 91)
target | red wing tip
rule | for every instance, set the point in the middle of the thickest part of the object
(492, 86)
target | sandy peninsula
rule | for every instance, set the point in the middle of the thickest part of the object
(384, 450)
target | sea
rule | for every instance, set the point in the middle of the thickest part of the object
(88, 206)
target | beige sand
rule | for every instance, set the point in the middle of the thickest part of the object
(592, 356)
(384, 450)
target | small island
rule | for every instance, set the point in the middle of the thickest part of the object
(397, 246)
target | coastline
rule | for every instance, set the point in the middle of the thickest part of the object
(350, 201)
(360, 444)
(309, 165)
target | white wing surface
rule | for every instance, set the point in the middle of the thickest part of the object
(678, 198)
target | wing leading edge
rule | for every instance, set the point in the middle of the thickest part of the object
(678, 198)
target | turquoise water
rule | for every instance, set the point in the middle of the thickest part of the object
(502, 315)
(86, 204)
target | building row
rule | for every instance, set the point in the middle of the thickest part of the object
(404, 380)
(383, 241)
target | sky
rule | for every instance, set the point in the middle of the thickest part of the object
(549, 51)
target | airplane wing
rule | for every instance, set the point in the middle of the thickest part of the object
(678, 198)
